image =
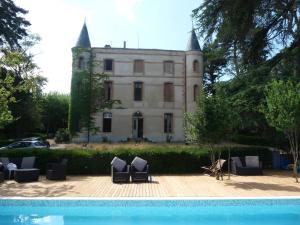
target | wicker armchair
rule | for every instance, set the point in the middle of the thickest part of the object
(57, 171)
(120, 171)
(139, 170)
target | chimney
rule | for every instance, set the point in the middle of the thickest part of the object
(124, 44)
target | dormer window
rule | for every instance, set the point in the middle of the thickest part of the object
(196, 66)
(80, 65)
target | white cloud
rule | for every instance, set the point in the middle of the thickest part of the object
(126, 8)
(58, 23)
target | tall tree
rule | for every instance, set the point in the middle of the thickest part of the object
(12, 23)
(213, 122)
(54, 107)
(283, 112)
(19, 62)
(214, 63)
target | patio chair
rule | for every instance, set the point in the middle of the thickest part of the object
(139, 170)
(215, 169)
(1, 172)
(252, 166)
(120, 171)
(57, 171)
(27, 173)
(5, 161)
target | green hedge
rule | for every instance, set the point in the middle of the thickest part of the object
(177, 160)
(275, 141)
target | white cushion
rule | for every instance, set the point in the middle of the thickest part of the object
(139, 163)
(118, 164)
(237, 161)
(11, 166)
(252, 161)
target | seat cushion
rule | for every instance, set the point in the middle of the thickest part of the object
(252, 161)
(139, 163)
(118, 164)
(237, 161)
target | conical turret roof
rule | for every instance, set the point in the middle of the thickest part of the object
(84, 40)
(193, 44)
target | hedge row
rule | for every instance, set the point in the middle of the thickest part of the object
(161, 160)
(277, 141)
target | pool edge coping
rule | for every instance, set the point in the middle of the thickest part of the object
(147, 198)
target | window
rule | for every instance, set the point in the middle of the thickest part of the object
(196, 92)
(138, 88)
(107, 90)
(138, 66)
(108, 65)
(80, 63)
(168, 92)
(169, 67)
(107, 122)
(168, 122)
(196, 66)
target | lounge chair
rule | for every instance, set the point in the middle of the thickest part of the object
(27, 173)
(57, 171)
(139, 170)
(5, 161)
(252, 166)
(215, 169)
(120, 171)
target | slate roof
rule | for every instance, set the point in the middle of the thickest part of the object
(84, 40)
(193, 44)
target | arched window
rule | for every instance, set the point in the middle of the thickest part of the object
(196, 66)
(196, 92)
(80, 63)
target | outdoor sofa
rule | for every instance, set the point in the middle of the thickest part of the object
(250, 165)
(24, 172)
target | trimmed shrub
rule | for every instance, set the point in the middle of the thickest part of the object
(276, 141)
(169, 160)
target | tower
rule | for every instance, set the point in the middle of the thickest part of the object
(194, 72)
(81, 72)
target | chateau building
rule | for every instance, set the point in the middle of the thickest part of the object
(155, 86)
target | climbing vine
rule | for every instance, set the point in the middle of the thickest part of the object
(87, 95)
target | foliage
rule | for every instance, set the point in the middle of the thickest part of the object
(283, 112)
(213, 121)
(6, 97)
(54, 107)
(26, 111)
(62, 135)
(87, 95)
(12, 24)
(214, 62)
(162, 159)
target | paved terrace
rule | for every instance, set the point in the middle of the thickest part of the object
(271, 184)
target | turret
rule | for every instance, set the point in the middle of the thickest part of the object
(81, 71)
(194, 71)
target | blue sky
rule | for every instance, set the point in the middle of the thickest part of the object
(163, 24)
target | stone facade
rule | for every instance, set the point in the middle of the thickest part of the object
(158, 115)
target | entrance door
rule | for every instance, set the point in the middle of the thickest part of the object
(137, 125)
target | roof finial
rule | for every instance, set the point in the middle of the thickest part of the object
(85, 20)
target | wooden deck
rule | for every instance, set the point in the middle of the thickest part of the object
(271, 184)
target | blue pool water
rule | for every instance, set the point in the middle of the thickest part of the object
(150, 212)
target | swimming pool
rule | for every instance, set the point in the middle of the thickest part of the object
(282, 211)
